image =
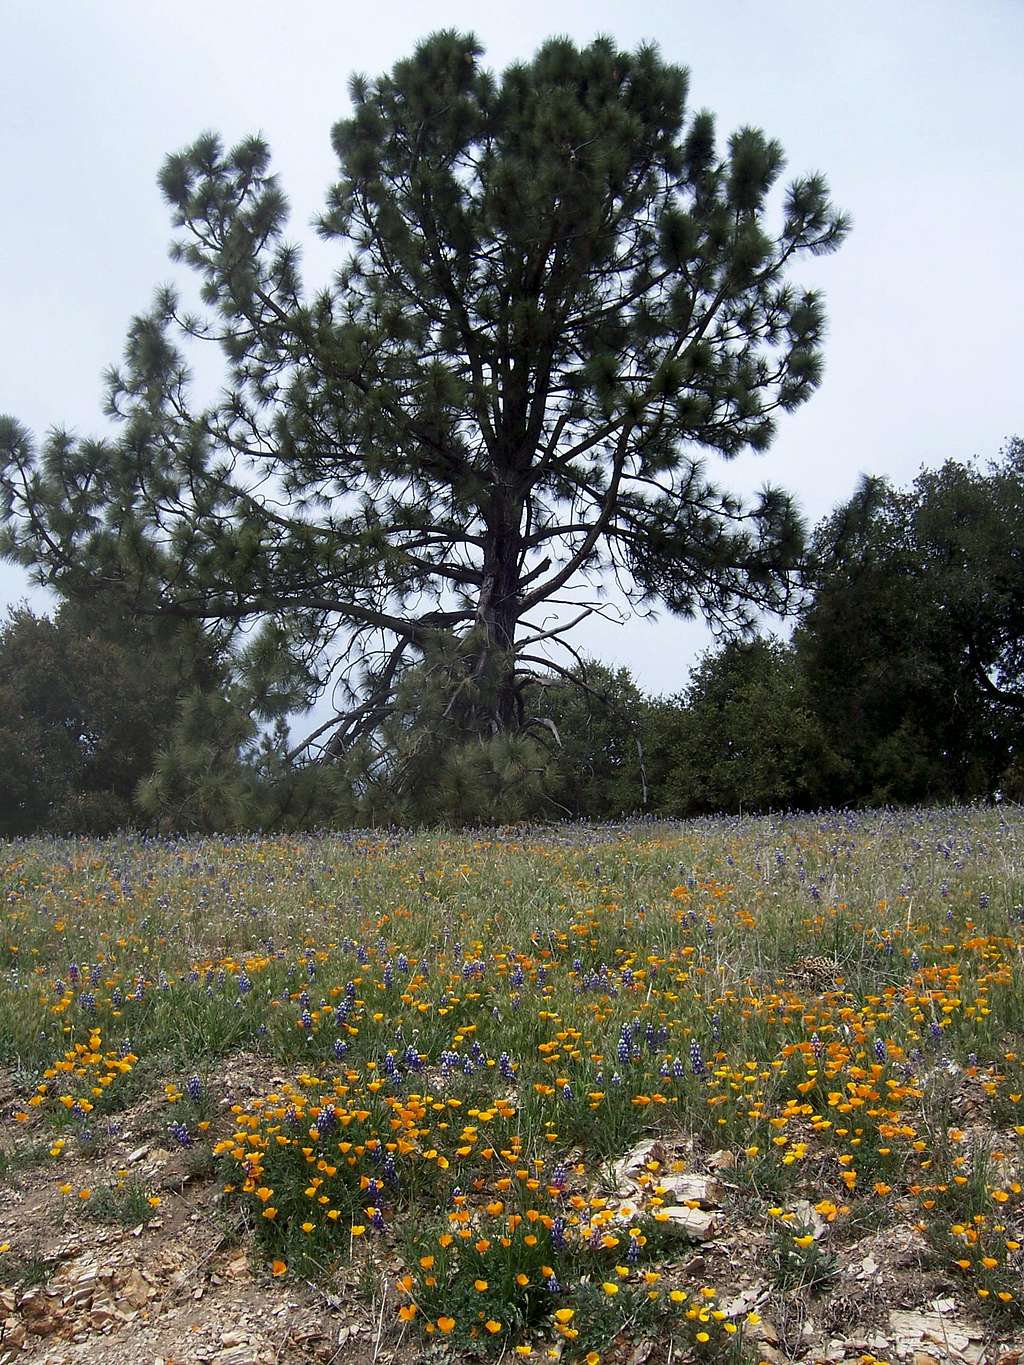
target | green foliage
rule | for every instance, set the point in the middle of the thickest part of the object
(599, 764)
(911, 645)
(199, 780)
(743, 736)
(87, 698)
(218, 770)
(797, 1267)
(125, 1202)
(428, 761)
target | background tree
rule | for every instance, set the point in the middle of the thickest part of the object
(912, 644)
(86, 700)
(967, 527)
(37, 752)
(742, 737)
(876, 676)
(600, 762)
(220, 765)
(554, 293)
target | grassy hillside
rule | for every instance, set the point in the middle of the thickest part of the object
(733, 1091)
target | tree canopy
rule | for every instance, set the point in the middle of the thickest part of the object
(743, 736)
(555, 295)
(913, 639)
(87, 700)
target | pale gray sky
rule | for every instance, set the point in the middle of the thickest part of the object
(912, 109)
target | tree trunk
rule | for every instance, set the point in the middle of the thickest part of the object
(498, 611)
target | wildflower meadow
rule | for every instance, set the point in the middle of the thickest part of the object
(558, 1092)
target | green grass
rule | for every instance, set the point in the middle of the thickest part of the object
(126, 1202)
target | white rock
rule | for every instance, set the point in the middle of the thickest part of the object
(696, 1223)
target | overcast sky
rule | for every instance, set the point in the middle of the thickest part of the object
(912, 110)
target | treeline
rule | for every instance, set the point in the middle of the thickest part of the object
(902, 681)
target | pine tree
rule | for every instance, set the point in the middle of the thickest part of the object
(555, 296)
